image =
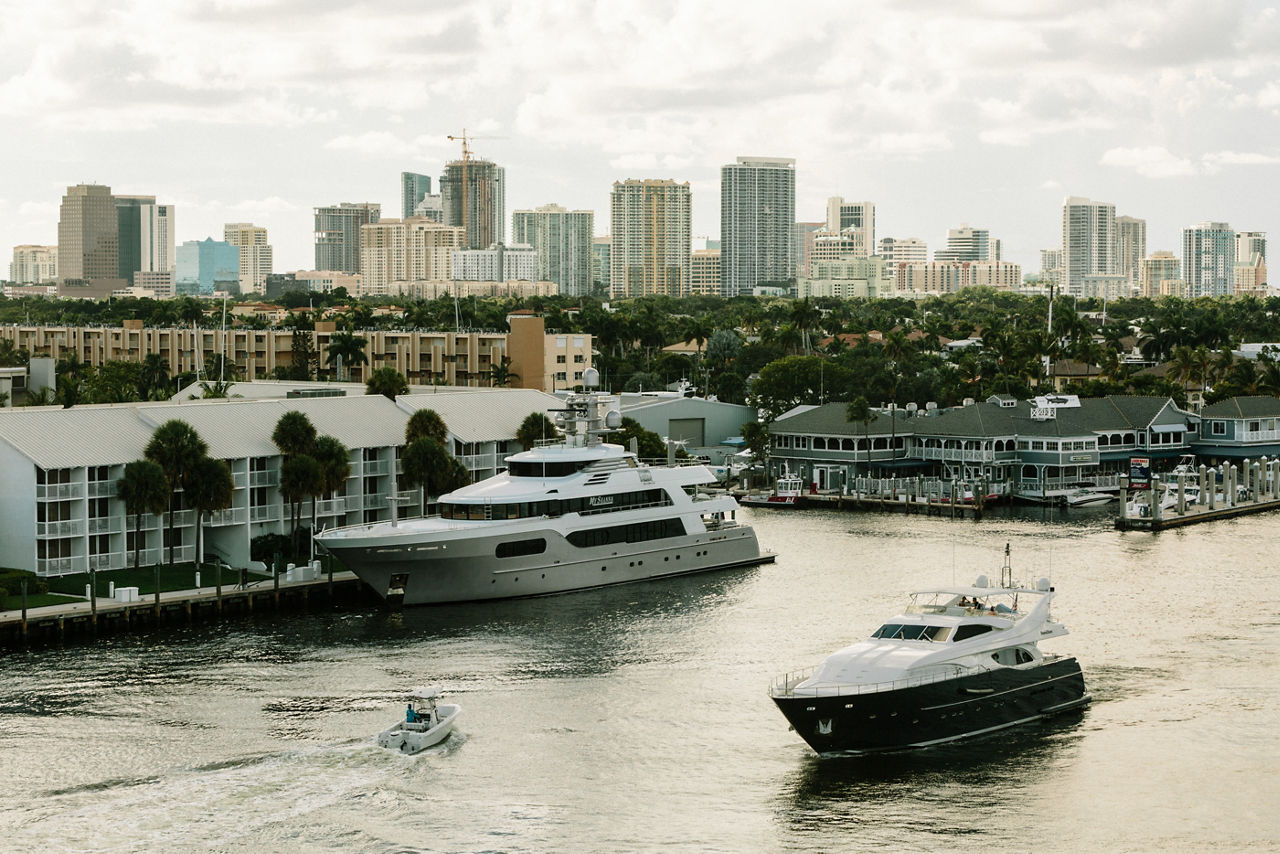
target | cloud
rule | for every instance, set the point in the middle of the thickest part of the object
(1215, 160)
(1151, 162)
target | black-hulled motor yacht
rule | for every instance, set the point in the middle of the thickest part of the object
(959, 662)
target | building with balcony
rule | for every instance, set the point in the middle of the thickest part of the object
(562, 243)
(33, 265)
(757, 221)
(650, 252)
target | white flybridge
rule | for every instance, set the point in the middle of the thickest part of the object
(569, 515)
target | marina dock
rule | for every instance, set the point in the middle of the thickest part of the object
(80, 619)
(923, 496)
(1204, 496)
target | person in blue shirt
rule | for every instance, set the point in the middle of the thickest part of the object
(410, 715)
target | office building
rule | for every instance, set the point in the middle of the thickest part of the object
(1131, 246)
(1209, 259)
(255, 254)
(967, 243)
(563, 243)
(650, 224)
(413, 189)
(337, 234)
(600, 247)
(860, 217)
(901, 250)
(88, 235)
(33, 265)
(757, 220)
(802, 244)
(1089, 242)
(706, 273)
(474, 198)
(206, 266)
(1250, 243)
(1157, 268)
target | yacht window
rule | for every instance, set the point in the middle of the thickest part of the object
(937, 634)
(1024, 657)
(897, 631)
(519, 548)
(970, 631)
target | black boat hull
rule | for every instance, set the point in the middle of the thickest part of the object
(937, 712)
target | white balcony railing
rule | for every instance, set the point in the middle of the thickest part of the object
(102, 489)
(331, 507)
(65, 528)
(263, 478)
(373, 468)
(54, 491)
(146, 557)
(239, 479)
(149, 522)
(108, 560)
(106, 525)
(266, 513)
(182, 518)
(60, 565)
(228, 516)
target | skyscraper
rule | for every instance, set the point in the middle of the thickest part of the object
(1250, 243)
(1209, 259)
(33, 265)
(205, 266)
(705, 273)
(474, 193)
(562, 240)
(858, 216)
(413, 189)
(600, 248)
(1089, 243)
(338, 234)
(1131, 239)
(650, 253)
(88, 234)
(255, 254)
(1160, 267)
(757, 216)
(967, 243)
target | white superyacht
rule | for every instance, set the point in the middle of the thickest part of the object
(571, 515)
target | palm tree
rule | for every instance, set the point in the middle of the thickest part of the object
(153, 378)
(209, 489)
(143, 489)
(425, 460)
(500, 374)
(294, 434)
(347, 349)
(300, 478)
(175, 447)
(386, 381)
(860, 411)
(425, 424)
(805, 317)
(335, 464)
(535, 427)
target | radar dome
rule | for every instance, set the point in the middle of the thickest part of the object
(613, 419)
(981, 582)
(591, 378)
(1043, 585)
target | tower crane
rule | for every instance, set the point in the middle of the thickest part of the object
(466, 140)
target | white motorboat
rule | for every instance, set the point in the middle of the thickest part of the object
(570, 515)
(786, 494)
(958, 662)
(425, 723)
(1089, 498)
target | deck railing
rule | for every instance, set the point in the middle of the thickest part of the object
(785, 685)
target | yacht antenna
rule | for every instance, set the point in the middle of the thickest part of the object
(1006, 571)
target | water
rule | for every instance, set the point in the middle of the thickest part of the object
(636, 718)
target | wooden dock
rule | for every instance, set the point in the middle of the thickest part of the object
(1194, 514)
(921, 505)
(85, 619)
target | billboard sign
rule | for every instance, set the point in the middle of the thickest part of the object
(1139, 472)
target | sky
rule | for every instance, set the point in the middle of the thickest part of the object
(942, 112)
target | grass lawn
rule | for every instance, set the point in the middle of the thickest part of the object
(37, 600)
(181, 577)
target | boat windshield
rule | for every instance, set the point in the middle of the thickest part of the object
(898, 631)
(540, 468)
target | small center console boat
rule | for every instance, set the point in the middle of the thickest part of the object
(425, 723)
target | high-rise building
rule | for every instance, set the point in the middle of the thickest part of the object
(395, 251)
(413, 189)
(1209, 259)
(650, 252)
(88, 234)
(205, 266)
(563, 242)
(858, 216)
(129, 216)
(474, 195)
(600, 247)
(338, 234)
(498, 263)
(1157, 268)
(1250, 243)
(1089, 243)
(802, 244)
(757, 218)
(967, 243)
(705, 273)
(1131, 243)
(255, 254)
(146, 236)
(33, 264)
(1251, 276)
(898, 250)
(431, 207)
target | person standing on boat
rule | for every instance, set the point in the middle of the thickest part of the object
(410, 716)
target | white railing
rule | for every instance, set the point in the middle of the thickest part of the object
(60, 565)
(182, 518)
(1259, 435)
(229, 516)
(102, 488)
(268, 513)
(65, 528)
(331, 507)
(147, 557)
(263, 478)
(239, 479)
(109, 560)
(785, 685)
(149, 522)
(53, 491)
(372, 468)
(106, 525)
(955, 454)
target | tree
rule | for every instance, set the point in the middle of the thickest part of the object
(294, 434)
(386, 381)
(425, 462)
(300, 478)
(649, 445)
(426, 424)
(209, 489)
(501, 374)
(153, 378)
(175, 447)
(335, 465)
(756, 435)
(535, 427)
(143, 489)
(347, 349)
(860, 411)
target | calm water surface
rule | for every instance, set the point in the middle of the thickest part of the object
(636, 718)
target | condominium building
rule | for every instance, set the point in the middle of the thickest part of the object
(563, 243)
(600, 247)
(255, 254)
(206, 266)
(547, 362)
(650, 252)
(1209, 259)
(324, 281)
(33, 264)
(394, 252)
(1089, 242)
(337, 234)
(1131, 246)
(474, 198)
(757, 220)
(88, 234)
(1157, 268)
(705, 272)
(827, 245)
(1250, 243)
(1051, 266)
(413, 189)
(1251, 276)
(944, 277)
(901, 250)
(858, 216)
(967, 243)
(847, 278)
(498, 263)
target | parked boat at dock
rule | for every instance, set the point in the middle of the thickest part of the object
(785, 495)
(958, 662)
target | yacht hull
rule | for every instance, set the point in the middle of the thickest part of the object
(468, 570)
(937, 712)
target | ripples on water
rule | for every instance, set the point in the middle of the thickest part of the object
(636, 719)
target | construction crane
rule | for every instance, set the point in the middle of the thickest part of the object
(466, 140)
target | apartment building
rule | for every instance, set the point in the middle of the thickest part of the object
(651, 241)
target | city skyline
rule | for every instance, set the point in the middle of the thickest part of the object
(990, 113)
